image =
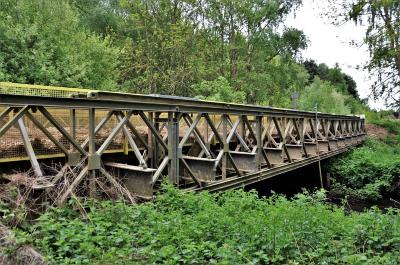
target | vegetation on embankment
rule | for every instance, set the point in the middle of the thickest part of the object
(373, 170)
(233, 227)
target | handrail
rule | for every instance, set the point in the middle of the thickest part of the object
(21, 94)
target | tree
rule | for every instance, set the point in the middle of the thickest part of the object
(344, 83)
(382, 18)
(162, 56)
(104, 17)
(312, 69)
(218, 90)
(41, 42)
(351, 86)
(181, 43)
(325, 96)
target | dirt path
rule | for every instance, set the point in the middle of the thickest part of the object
(377, 131)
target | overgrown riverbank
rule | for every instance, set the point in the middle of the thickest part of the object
(371, 172)
(234, 227)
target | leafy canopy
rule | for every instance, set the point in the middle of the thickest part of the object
(41, 42)
(382, 18)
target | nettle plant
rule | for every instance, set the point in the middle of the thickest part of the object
(370, 171)
(234, 227)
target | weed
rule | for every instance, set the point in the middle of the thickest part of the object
(369, 172)
(234, 227)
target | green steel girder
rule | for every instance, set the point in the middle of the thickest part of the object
(262, 134)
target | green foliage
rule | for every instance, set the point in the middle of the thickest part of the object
(218, 90)
(240, 49)
(343, 82)
(234, 227)
(169, 47)
(381, 18)
(370, 171)
(42, 42)
(393, 126)
(180, 44)
(325, 95)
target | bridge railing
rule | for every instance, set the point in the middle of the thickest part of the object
(197, 144)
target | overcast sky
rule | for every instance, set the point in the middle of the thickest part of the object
(330, 44)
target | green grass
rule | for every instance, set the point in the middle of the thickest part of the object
(234, 227)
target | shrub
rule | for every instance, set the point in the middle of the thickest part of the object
(234, 227)
(369, 171)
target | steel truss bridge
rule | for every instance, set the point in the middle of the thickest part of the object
(198, 145)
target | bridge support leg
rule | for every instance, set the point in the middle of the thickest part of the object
(259, 141)
(94, 163)
(173, 142)
(29, 148)
(225, 145)
(73, 155)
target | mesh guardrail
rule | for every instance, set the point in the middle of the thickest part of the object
(40, 91)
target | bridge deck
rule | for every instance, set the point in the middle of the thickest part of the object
(197, 144)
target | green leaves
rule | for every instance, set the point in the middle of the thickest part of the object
(326, 96)
(218, 90)
(368, 172)
(382, 38)
(41, 42)
(234, 227)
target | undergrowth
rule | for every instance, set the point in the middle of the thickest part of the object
(393, 126)
(369, 172)
(233, 227)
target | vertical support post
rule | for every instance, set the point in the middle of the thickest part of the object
(29, 148)
(225, 144)
(73, 124)
(259, 141)
(242, 129)
(150, 141)
(93, 159)
(302, 129)
(156, 149)
(73, 155)
(316, 139)
(173, 142)
(125, 141)
(92, 136)
(206, 134)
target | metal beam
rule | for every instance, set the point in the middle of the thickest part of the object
(29, 148)
(149, 103)
(62, 130)
(13, 120)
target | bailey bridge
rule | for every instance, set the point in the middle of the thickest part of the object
(138, 140)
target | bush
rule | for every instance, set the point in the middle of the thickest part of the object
(370, 171)
(234, 227)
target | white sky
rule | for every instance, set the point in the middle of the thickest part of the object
(330, 44)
